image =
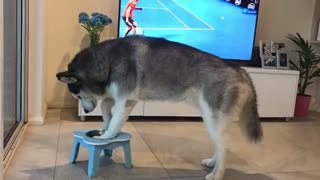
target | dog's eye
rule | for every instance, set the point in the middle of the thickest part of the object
(74, 88)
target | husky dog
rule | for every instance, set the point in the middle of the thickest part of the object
(123, 71)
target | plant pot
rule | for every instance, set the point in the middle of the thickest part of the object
(302, 105)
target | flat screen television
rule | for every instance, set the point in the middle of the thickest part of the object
(225, 28)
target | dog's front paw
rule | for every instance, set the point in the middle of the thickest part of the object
(210, 163)
(106, 135)
(104, 127)
(214, 176)
(210, 177)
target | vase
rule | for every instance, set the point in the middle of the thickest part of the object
(302, 105)
(94, 39)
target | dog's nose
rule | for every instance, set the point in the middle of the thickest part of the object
(86, 111)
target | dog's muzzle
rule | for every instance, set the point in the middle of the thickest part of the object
(88, 106)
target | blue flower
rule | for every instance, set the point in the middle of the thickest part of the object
(96, 23)
(105, 19)
(95, 14)
(95, 20)
(83, 18)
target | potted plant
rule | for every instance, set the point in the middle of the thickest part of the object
(308, 66)
(94, 25)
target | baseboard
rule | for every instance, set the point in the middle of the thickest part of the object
(61, 104)
(39, 120)
(44, 109)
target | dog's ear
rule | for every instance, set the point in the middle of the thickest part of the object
(67, 77)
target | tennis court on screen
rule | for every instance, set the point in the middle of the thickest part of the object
(214, 26)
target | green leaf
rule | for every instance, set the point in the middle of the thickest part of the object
(310, 83)
(302, 73)
(316, 73)
(306, 63)
(295, 67)
(87, 28)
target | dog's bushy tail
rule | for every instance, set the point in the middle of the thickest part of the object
(249, 116)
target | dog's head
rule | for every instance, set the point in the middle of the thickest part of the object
(76, 87)
(87, 77)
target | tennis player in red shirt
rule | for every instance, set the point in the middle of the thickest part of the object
(127, 16)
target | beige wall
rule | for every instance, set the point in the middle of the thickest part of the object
(64, 36)
(277, 18)
(315, 21)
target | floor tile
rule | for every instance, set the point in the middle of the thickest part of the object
(306, 175)
(145, 164)
(234, 175)
(278, 151)
(170, 147)
(36, 155)
(181, 146)
(189, 178)
(53, 115)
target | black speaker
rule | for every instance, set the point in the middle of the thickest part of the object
(256, 60)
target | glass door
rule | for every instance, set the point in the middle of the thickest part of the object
(14, 71)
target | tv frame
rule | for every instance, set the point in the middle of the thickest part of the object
(235, 62)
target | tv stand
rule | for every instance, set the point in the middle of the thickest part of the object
(276, 91)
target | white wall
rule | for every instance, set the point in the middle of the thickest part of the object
(37, 62)
(64, 36)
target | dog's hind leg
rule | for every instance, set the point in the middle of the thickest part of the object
(122, 110)
(215, 125)
(106, 106)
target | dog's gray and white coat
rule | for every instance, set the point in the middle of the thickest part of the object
(123, 71)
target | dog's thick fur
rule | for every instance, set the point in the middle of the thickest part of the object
(121, 72)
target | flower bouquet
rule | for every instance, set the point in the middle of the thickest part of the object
(94, 25)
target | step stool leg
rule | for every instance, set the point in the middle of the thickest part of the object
(108, 153)
(94, 161)
(127, 154)
(75, 150)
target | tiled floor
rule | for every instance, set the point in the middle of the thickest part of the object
(170, 149)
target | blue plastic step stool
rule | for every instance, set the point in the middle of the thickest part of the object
(95, 146)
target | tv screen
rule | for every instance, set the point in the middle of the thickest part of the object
(225, 28)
